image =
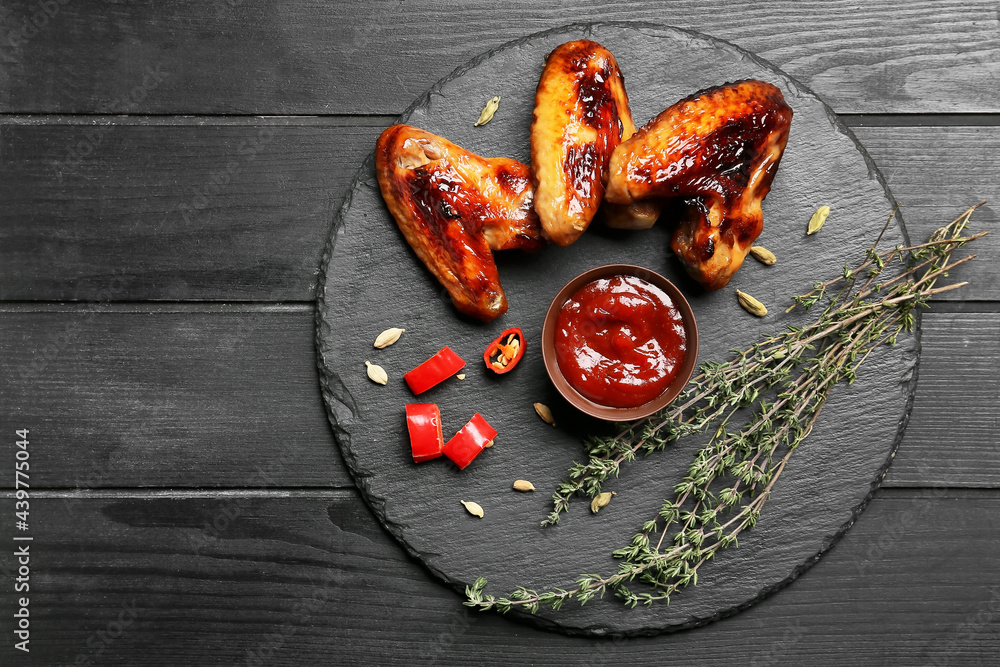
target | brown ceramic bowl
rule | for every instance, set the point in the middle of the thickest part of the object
(584, 404)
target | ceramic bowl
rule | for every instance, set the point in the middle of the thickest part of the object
(584, 404)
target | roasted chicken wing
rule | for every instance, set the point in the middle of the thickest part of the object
(453, 208)
(719, 149)
(581, 114)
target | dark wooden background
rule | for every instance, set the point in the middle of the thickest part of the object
(168, 173)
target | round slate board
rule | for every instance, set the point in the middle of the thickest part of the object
(373, 281)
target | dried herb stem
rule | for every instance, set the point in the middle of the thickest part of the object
(783, 382)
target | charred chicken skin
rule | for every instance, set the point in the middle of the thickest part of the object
(719, 149)
(581, 114)
(454, 208)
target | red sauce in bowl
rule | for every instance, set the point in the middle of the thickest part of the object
(620, 341)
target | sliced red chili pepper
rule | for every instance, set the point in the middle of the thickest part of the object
(503, 353)
(470, 441)
(435, 370)
(423, 421)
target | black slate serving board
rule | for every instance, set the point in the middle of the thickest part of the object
(373, 281)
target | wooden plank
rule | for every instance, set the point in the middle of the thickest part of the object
(304, 58)
(954, 429)
(937, 172)
(173, 399)
(131, 212)
(231, 399)
(315, 580)
(123, 222)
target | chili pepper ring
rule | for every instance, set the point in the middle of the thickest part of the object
(505, 351)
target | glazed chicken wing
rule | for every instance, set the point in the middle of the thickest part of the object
(581, 114)
(453, 208)
(719, 149)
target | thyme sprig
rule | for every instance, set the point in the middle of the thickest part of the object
(784, 380)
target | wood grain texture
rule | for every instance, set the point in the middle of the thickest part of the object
(172, 399)
(251, 56)
(129, 212)
(933, 189)
(178, 396)
(954, 429)
(201, 399)
(315, 580)
(109, 227)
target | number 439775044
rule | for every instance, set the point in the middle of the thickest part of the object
(21, 476)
